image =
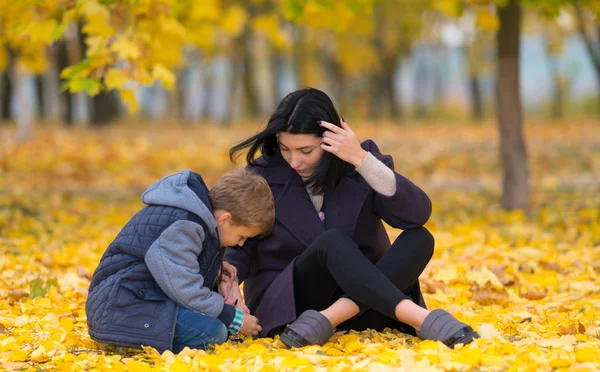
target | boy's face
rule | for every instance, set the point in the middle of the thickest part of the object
(232, 235)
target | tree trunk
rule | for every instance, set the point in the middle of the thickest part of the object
(377, 79)
(6, 90)
(69, 52)
(39, 89)
(557, 111)
(390, 68)
(439, 72)
(557, 102)
(510, 112)
(51, 89)
(593, 50)
(154, 102)
(62, 61)
(105, 108)
(336, 81)
(299, 56)
(236, 72)
(383, 91)
(597, 62)
(476, 99)
(278, 68)
(421, 83)
(192, 89)
(264, 73)
(4, 95)
(250, 95)
(48, 91)
(25, 96)
(376, 96)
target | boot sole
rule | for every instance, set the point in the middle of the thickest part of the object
(291, 339)
(466, 339)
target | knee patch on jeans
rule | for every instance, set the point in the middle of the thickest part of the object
(221, 334)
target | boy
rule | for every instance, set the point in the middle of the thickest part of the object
(154, 284)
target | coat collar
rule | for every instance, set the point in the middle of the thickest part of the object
(295, 210)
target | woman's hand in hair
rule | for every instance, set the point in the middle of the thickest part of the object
(343, 143)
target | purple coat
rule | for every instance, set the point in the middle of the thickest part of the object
(266, 265)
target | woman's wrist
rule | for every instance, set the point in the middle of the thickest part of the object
(359, 158)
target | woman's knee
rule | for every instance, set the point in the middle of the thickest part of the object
(333, 240)
(335, 236)
(421, 239)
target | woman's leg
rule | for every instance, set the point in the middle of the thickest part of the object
(408, 256)
(335, 258)
(197, 331)
(402, 265)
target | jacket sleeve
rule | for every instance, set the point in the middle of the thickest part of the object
(408, 207)
(173, 262)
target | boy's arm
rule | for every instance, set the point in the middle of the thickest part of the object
(173, 262)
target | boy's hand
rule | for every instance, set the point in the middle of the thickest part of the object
(229, 270)
(250, 326)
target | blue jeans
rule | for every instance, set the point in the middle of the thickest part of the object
(197, 331)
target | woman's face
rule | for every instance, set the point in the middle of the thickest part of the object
(303, 152)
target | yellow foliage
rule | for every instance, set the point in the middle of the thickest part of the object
(97, 24)
(269, 25)
(165, 76)
(66, 194)
(449, 7)
(128, 97)
(487, 21)
(115, 79)
(234, 20)
(126, 48)
(43, 32)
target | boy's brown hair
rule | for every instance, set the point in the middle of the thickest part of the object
(248, 197)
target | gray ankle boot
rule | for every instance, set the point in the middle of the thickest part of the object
(440, 325)
(311, 328)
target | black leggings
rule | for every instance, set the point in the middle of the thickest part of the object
(333, 266)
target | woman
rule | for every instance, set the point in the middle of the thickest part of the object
(329, 262)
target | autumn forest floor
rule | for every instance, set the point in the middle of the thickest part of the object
(529, 283)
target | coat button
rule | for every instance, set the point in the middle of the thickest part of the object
(146, 325)
(141, 293)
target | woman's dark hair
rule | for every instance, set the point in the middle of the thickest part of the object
(299, 113)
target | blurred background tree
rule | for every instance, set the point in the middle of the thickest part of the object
(88, 61)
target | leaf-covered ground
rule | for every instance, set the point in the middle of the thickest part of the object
(529, 284)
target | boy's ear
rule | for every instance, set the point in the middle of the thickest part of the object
(224, 218)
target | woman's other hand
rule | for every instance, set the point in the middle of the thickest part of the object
(234, 297)
(343, 143)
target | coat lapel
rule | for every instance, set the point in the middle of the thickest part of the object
(342, 207)
(295, 210)
(293, 207)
